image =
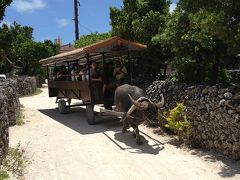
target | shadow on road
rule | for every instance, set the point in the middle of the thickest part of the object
(229, 167)
(76, 120)
(132, 147)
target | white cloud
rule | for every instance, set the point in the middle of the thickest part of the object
(172, 7)
(62, 22)
(28, 6)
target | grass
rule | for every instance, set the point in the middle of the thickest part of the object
(14, 164)
(20, 117)
(37, 92)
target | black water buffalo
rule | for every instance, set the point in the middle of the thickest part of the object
(121, 98)
(136, 107)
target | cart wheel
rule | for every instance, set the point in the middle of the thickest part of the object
(108, 106)
(62, 107)
(90, 114)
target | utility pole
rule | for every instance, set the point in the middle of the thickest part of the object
(76, 4)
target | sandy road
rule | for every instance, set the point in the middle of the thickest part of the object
(65, 147)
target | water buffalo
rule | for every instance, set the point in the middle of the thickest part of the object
(136, 107)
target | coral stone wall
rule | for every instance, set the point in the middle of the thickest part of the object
(235, 74)
(25, 85)
(10, 90)
(4, 135)
(214, 113)
(13, 104)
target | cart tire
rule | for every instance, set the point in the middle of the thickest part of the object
(108, 106)
(62, 107)
(90, 114)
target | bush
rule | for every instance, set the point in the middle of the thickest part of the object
(4, 175)
(176, 121)
(225, 77)
(14, 165)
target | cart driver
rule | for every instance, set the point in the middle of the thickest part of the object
(94, 75)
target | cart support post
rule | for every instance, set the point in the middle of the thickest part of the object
(47, 73)
(129, 67)
(104, 59)
(89, 77)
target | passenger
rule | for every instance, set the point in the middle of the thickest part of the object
(69, 76)
(83, 72)
(94, 75)
(62, 73)
(54, 74)
(120, 72)
(75, 72)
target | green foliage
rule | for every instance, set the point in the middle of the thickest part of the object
(177, 121)
(4, 175)
(173, 78)
(3, 5)
(224, 77)
(15, 163)
(90, 39)
(203, 37)
(20, 54)
(140, 21)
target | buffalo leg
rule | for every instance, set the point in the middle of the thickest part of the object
(139, 142)
(136, 130)
(125, 124)
(134, 134)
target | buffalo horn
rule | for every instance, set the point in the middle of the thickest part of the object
(161, 104)
(139, 105)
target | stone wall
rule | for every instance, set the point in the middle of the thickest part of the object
(4, 134)
(25, 85)
(214, 113)
(13, 104)
(235, 74)
(10, 90)
(40, 81)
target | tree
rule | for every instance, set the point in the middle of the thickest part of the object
(90, 39)
(19, 54)
(3, 5)
(204, 38)
(140, 21)
(27, 55)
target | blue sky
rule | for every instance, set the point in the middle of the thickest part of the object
(53, 18)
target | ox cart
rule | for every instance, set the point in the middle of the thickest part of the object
(88, 92)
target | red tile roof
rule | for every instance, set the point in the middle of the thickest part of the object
(66, 48)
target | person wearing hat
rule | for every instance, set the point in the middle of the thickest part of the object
(120, 72)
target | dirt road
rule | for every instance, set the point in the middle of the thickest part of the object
(65, 147)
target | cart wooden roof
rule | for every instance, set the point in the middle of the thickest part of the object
(111, 47)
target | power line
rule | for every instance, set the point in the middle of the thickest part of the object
(85, 27)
